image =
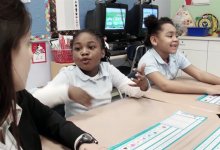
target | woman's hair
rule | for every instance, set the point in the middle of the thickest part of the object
(99, 38)
(15, 22)
(153, 26)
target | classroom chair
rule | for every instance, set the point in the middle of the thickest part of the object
(134, 53)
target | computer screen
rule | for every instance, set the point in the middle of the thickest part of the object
(115, 19)
(109, 19)
(136, 16)
(147, 12)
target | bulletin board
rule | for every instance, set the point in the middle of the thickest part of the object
(43, 13)
(53, 21)
(37, 10)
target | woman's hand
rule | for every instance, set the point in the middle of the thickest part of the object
(140, 79)
(91, 146)
(80, 96)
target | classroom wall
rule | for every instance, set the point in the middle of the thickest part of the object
(196, 11)
(37, 11)
(164, 7)
(40, 73)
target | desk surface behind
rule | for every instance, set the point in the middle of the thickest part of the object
(190, 100)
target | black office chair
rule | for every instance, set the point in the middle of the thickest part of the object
(134, 53)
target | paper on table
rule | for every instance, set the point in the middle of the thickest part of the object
(67, 12)
(212, 99)
(212, 142)
(163, 134)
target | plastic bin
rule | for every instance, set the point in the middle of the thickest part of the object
(197, 31)
(62, 56)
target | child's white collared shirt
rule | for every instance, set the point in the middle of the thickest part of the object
(155, 63)
(99, 87)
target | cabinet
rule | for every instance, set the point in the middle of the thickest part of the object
(213, 64)
(55, 67)
(202, 52)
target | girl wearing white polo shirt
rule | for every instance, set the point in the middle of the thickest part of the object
(89, 84)
(163, 60)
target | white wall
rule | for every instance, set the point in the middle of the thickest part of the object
(39, 73)
(164, 7)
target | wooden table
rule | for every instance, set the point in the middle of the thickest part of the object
(116, 122)
(190, 100)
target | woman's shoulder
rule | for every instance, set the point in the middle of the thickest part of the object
(23, 96)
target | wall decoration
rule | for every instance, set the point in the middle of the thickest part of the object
(37, 10)
(67, 13)
(39, 52)
(53, 21)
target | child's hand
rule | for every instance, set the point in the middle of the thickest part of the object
(140, 79)
(80, 96)
(213, 90)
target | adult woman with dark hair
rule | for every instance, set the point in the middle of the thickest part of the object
(22, 117)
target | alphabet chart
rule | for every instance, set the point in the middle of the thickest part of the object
(163, 134)
(212, 142)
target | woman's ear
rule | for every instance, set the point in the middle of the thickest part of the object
(103, 53)
(153, 40)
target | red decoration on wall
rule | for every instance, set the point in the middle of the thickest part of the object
(39, 52)
(188, 2)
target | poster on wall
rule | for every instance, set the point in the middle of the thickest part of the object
(64, 11)
(39, 52)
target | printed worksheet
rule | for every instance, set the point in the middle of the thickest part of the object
(162, 134)
(210, 99)
(212, 142)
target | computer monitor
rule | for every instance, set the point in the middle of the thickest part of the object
(115, 19)
(147, 11)
(139, 12)
(110, 19)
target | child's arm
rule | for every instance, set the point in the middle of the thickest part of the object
(174, 86)
(56, 91)
(80, 96)
(52, 95)
(202, 75)
(139, 78)
(122, 82)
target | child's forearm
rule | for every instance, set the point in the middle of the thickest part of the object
(52, 96)
(209, 78)
(182, 87)
(131, 91)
